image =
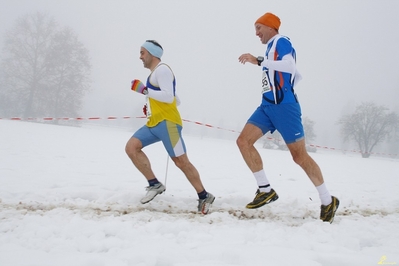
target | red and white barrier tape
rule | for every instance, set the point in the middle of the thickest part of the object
(208, 125)
(70, 118)
(185, 120)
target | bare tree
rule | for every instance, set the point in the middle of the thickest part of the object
(308, 127)
(44, 68)
(310, 135)
(68, 67)
(368, 125)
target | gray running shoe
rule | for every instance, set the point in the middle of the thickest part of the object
(205, 204)
(152, 191)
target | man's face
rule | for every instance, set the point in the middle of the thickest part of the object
(146, 57)
(264, 32)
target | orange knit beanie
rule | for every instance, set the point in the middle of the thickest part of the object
(269, 20)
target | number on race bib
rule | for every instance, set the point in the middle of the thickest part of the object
(265, 83)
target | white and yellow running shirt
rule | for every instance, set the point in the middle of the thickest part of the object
(162, 100)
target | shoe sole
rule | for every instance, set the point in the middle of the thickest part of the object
(274, 198)
(153, 197)
(334, 211)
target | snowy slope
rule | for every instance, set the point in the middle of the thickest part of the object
(70, 196)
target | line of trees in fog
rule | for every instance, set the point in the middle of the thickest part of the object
(368, 126)
(44, 69)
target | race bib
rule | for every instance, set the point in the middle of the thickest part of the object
(265, 82)
(148, 107)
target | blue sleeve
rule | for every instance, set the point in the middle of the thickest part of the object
(283, 48)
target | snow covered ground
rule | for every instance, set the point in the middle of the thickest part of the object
(70, 196)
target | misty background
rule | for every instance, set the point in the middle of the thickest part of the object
(346, 53)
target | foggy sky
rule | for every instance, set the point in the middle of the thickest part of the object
(346, 53)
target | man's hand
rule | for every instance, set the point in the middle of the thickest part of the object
(139, 87)
(244, 58)
(145, 109)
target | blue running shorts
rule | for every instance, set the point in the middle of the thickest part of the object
(285, 118)
(167, 132)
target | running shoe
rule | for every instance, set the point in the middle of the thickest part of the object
(262, 198)
(152, 191)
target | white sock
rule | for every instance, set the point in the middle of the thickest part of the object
(325, 196)
(262, 181)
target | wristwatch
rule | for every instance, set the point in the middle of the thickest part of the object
(260, 60)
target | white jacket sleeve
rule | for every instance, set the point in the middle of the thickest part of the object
(287, 64)
(162, 77)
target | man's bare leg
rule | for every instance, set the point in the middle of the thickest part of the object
(137, 156)
(303, 159)
(191, 173)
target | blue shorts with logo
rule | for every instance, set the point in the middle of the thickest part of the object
(167, 132)
(285, 118)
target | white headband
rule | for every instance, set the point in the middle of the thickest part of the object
(153, 49)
